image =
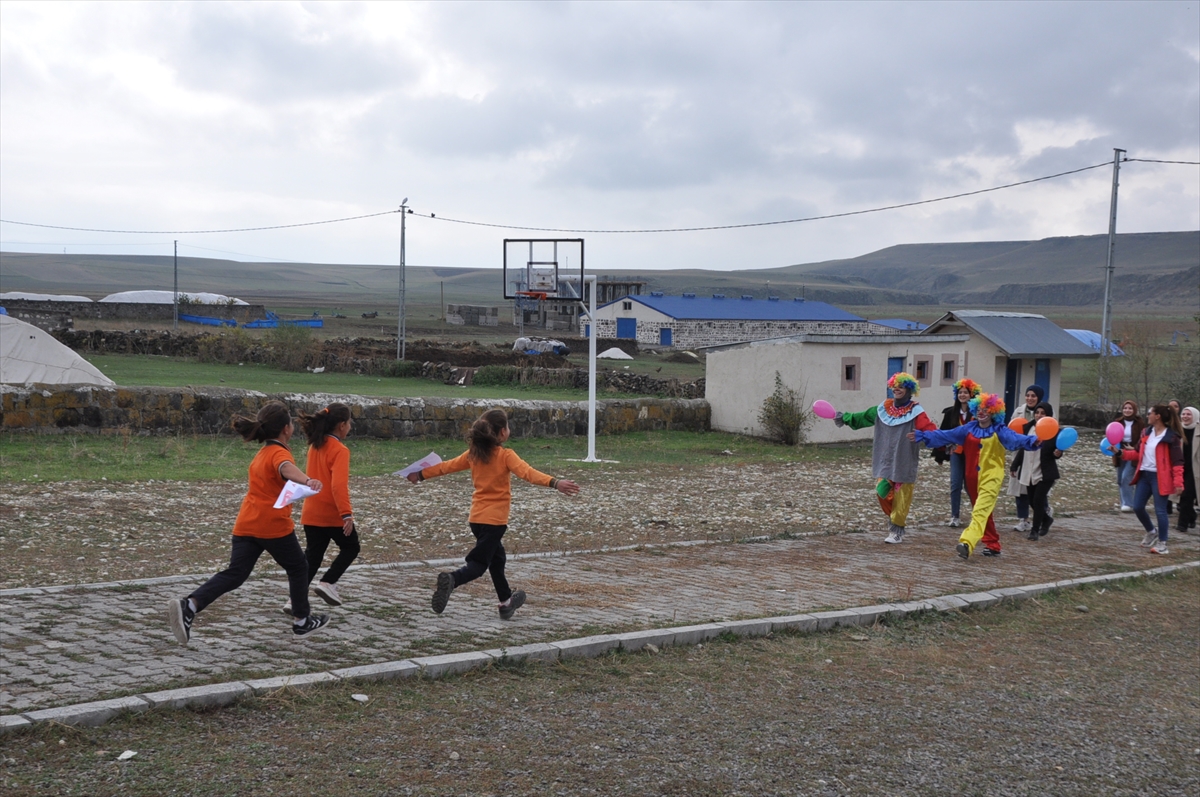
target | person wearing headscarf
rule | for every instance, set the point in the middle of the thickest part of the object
(984, 441)
(1188, 418)
(1033, 395)
(1038, 473)
(894, 456)
(956, 415)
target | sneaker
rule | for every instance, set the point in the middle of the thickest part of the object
(1034, 534)
(441, 595)
(895, 534)
(1126, 508)
(312, 623)
(990, 552)
(180, 617)
(1046, 526)
(287, 609)
(963, 550)
(510, 606)
(1150, 538)
(954, 522)
(328, 593)
(1160, 547)
(1022, 525)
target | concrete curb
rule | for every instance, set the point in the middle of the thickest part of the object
(99, 712)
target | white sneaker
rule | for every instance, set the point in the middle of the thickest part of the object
(896, 535)
(1021, 525)
(1150, 538)
(953, 522)
(1160, 547)
(1125, 508)
(328, 593)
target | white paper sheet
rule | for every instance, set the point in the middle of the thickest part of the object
(426, 462)
(291, 493)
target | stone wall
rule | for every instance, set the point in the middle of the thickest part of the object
(472, 315)
(169, 411)
(131, 311)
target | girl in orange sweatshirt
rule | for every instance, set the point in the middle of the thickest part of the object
(491, 465)
(260, 527)
(327, 516)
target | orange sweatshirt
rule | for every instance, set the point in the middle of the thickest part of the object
(258, 516)
(330, 464)
(493, 489)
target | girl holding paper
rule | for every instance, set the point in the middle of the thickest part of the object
(260, 527)
(327, 516)
(490, 464)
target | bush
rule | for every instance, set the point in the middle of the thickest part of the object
(497, 375)
(228, 346)
(401, 368)
(291, 347)
(783, 416)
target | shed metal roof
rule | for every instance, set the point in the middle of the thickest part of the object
(898, 323)
(1016, 334)
(733, 308)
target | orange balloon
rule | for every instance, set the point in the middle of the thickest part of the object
(1017, 424)
(1046, 428)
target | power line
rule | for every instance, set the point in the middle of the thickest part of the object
(772, 223)
(1152, 160)
(200, 232)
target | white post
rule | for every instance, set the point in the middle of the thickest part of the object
(591, 455)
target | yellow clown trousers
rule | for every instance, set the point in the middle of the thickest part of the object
(896, 502)
(991, 476)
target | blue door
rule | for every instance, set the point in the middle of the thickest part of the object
(627, 328)
(1012, 387)
(664, 336)
(587, 331)
(895, 366)
(1041, 376)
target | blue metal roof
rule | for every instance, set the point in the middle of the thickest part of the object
(1093, 339)
(692, 307)
(898, 323)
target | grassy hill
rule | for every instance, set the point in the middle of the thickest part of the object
(1152, 270)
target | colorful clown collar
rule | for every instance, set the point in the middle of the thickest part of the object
(891, 415)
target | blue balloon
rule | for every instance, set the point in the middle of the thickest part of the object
(1107, 449)
(1067, 438)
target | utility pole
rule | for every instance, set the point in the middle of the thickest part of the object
(400, 342)
(1106, 319)
(176, 292)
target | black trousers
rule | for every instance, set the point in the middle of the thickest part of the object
(487, 556)
(316, 542)
(243, 555)
(1039, 500)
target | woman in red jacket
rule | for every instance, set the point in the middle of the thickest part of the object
(1159, 463)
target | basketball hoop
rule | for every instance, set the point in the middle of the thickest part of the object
(539, 295)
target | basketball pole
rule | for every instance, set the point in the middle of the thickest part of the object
(591, 455)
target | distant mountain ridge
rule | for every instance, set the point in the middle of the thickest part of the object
(1152, 269)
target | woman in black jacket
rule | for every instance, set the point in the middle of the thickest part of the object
(1038, 472)
(954, 416)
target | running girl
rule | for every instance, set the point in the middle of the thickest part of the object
(490, 464)
(260, 527)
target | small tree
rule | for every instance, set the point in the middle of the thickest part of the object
(783, 415)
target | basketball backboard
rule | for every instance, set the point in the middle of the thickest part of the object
(543, 268)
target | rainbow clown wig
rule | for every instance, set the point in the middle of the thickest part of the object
(901, 379)
(973, 387)
(990, 403)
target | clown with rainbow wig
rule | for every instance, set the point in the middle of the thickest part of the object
(984, 441)
(894, 456)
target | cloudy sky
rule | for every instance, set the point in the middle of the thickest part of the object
(598, 116)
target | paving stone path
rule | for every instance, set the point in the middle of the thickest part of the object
(67, 645)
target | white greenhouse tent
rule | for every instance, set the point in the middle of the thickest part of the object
(168, 297)
(29, 355)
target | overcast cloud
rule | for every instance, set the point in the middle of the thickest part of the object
(183, 116)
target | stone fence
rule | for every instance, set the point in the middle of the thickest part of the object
(29, 309)
(169, 411)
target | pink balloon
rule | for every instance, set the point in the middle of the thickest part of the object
(824, 409)
(1115, 432)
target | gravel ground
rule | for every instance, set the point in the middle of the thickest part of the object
(83, 532)
(1090, 692)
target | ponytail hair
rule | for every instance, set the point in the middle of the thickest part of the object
(484, 437)
(270, 422)
(321, 424)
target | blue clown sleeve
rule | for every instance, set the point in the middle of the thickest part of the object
(944, 437)
(1013, 441)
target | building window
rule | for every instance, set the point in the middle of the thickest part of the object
(924, 374)
(626, 305)
(851, 372)
(949, 369)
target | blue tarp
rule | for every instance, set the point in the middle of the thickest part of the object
(1090, 338)
(272, 321)
(208, 321)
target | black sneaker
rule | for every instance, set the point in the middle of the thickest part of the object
(515, 602)
(963, 550)
(180, 616)
(1034, 534)
(441, 595)
(1045, 527)
(990, 552)
(311, 624)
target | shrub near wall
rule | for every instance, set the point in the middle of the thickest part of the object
(209, 411)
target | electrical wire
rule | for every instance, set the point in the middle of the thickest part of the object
(1152, 160)
(201, 232)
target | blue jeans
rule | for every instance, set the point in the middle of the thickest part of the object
(1124, 473)
(1147, 485)
(958, 472)
(1023, 506)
